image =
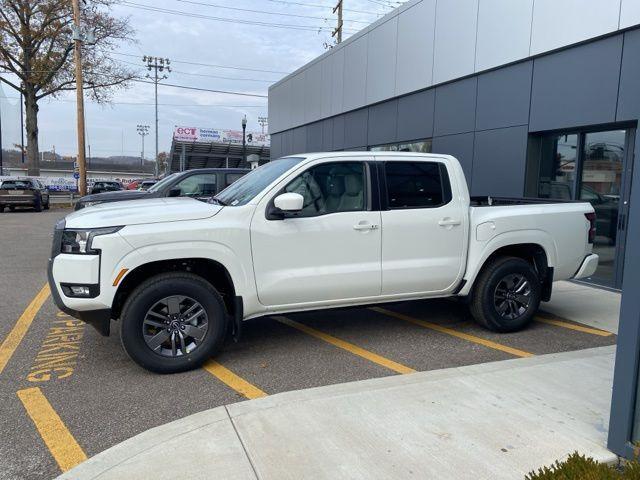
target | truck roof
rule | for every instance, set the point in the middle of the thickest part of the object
(385, 156)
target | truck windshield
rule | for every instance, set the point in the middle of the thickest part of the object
(244, 190)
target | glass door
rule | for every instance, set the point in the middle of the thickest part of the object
(602, 182)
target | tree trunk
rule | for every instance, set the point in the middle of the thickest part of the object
(31, 112)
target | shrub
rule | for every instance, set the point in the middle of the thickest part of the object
(579, 467)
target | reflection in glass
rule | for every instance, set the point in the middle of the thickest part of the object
(558, 166)
(601, 182)
(422, 146)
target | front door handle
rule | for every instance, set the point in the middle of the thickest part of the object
(448, 222)
(365, 226)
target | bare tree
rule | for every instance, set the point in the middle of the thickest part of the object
(36, 46)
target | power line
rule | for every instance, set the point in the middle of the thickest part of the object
(207, 75)
(168, 11)
(315, 5)
(214, 105)
(206, 89)
(192, 2)
(185, 62)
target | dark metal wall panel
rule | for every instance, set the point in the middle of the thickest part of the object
(383, 123)
(415, 116)
(299, 140)
(455, 107)
(355, 128)
(327, 135)
(504, 96)
(629, 95)
(276, 145)
(338, 132)
(287, 142)
(576, 87)
(314, 137)
(499, 160)
(627, 364)
(461, 147)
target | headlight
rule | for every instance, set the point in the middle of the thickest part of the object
(79, 241)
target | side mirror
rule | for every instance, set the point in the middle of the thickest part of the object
(175, 192)
(289, 202)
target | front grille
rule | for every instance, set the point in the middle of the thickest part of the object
(56, 245)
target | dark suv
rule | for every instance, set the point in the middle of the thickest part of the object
(201, 184)
(102, 186)
(23, 192)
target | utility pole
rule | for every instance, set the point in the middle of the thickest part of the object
(1, 170)
(77, 56)
(21, 129)
(263, 121)
(244, 137)
(143, 131)
(157, 65)
(338, 29)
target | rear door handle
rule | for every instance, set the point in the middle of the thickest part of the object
(365, 226)
(448, 222)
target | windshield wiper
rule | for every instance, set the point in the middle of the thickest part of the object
(217, 200)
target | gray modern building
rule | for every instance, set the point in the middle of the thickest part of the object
(536, 98)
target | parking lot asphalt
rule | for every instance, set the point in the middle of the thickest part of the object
(68, 393)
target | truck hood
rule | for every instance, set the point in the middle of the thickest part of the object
(120, 195)
(137, 212)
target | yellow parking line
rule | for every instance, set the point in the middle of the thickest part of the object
(239, 384)
(454, 333)
(63, 447)
(19, 330)
(573, 326)
(350, 347)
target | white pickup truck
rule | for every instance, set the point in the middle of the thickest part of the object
(309, 232)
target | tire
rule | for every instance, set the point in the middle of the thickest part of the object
(511, 281)
(46, 205)
(1, 208)
(12, 208)
(37, 204)
(138, 327)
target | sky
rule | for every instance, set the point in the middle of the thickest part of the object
(111, 129)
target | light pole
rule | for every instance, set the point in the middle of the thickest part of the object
(143, 131)
(157, 65)
(263, 121)
(244, 137)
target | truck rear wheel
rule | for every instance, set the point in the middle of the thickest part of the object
(173, 322)
(506, 295)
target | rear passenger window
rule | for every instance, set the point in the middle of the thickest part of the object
(417, 185)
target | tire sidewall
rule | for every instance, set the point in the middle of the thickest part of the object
(152, 292)
(494, 320)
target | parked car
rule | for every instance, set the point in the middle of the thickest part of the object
(23, 192)
(133, 184)
(313, 231)
(146, 184)
(106, 186)
(201, 184)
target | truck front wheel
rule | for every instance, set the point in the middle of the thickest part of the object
(506, 295)
(173, 322)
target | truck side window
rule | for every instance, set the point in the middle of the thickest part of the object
(417, 185)
(331, 188)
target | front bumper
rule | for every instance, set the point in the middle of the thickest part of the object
(588, 267)
(98, 319)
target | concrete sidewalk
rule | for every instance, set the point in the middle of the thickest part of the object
(489, 421)
(591, 306)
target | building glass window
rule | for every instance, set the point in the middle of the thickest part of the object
(421, 146)
(589, 166)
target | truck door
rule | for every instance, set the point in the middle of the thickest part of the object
(423, 228)
(328, 251)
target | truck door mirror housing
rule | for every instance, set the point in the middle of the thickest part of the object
(289, 202)
(175, 192)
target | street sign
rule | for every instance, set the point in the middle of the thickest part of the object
(76, 175)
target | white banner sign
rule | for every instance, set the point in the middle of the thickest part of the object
(212, 135)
